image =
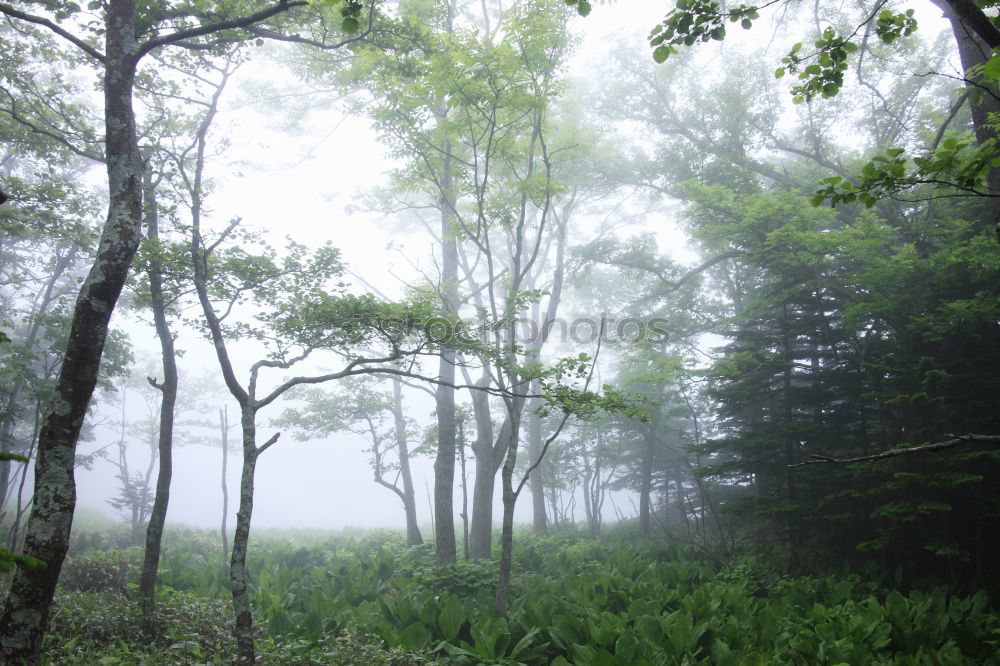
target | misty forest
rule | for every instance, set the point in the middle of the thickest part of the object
(479, 332)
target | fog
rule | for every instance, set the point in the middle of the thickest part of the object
(536, 332)
(308, 181)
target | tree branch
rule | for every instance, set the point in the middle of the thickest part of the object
(269, 443)
(926, 448)
(38, 20)
(231, 24)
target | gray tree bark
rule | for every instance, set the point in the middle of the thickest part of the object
(413, 536)
(486, 466)
(223, 528)
(444, 462)
(168, 390)
(539, 521)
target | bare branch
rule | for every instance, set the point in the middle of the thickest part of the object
(269, 443)
(892, 453)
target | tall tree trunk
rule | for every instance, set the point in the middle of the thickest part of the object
(646, 478)
(224, 529)
(509, 501)
(26, 609)
(538, 518)
(238, 576)
(791, 438)
(168, 399)
(465, 492)
(444, 463)
(413, 536)
(791, 443)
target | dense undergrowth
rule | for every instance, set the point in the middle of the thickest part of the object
(322, 599)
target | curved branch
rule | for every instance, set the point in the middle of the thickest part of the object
(68, 36)
(231, 24)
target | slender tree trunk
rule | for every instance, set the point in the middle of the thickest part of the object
(168, 390)
(588, 504)
(6, 446)
(538, 518)
(485, 471)
(430, 505)
(22, 506)
(224, 529)
(413, 536)
(238, 566)
(465, 494)
(9, 416)
(791, 439)
(791, 444)
(25, 611)
(153, 459)
(646, 471)
(444, 463)
(509, 500)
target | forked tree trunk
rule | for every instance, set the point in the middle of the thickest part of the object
(481, 526)
(26, 609)
(168, 390)
(485, 471)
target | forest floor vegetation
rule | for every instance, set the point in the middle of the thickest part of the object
(324, 598)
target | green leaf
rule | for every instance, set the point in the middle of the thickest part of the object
(350, 25)
(415, 636)
(452, 618)
(991, 69)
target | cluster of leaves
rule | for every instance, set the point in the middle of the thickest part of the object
(961, 164)
(823, 77)
(692, 21)
(890, 25)
(582, 6)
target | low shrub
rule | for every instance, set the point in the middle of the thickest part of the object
(95, 571)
